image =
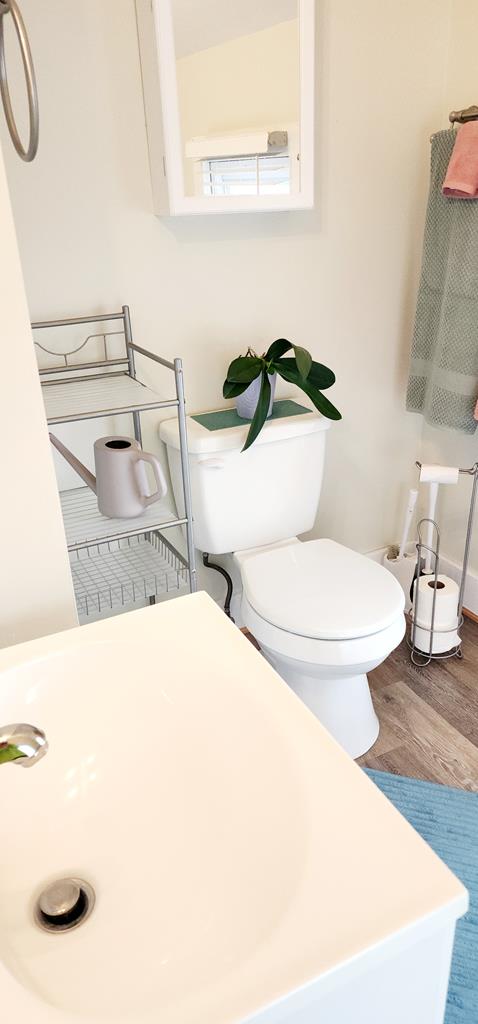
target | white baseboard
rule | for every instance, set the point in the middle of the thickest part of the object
(450, 569)
(470, 600)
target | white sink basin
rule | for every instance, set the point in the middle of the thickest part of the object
(236, 853)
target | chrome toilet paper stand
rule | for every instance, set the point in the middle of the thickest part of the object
(419, 657)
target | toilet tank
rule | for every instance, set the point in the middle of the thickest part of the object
(260, 496)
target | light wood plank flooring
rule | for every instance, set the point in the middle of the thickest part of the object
(428, 716)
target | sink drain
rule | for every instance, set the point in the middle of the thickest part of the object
(64, 905)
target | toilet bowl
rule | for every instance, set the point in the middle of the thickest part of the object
(323, 614)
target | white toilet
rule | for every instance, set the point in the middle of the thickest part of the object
(323, 615)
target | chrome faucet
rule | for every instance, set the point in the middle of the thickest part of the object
(23, 744)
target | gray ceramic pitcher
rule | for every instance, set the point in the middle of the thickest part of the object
(121, 481)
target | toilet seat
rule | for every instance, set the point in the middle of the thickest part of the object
(321, 591)
(329, 654)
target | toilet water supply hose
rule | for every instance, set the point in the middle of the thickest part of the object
(219, 568)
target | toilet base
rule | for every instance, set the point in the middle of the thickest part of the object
(342, 704)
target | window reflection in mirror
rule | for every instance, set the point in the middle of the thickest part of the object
(237, 67)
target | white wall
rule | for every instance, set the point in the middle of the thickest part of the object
(36, 595)
(340, 280)
(447, 446)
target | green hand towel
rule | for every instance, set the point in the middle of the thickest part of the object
(443, 381)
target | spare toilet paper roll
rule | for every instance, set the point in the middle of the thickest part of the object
(445, 634)
(439, 474)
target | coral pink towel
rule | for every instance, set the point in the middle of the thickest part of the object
(461, 179)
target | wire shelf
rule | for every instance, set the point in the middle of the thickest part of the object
(84, 523)
(114, 574)
(104, 395)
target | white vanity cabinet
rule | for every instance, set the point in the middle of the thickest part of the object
(229, 104)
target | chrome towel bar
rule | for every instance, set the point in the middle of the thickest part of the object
(28, 153)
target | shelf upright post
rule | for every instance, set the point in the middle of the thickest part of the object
(183, 444)
(132, 369)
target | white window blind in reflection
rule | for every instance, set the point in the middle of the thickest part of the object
(257, 175)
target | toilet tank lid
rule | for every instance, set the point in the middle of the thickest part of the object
(223, 430)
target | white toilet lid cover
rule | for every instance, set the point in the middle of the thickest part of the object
(322, 590)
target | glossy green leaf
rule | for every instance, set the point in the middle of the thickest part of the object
(231, 389)
(319, 375)
(321, 403)
(260, 414)
(277, 349)
(303, 359)
(244, 369)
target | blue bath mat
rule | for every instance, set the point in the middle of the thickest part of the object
(448, 820)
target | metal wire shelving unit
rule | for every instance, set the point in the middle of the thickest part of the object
(116, 562)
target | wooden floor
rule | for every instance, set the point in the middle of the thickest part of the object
(428, 716)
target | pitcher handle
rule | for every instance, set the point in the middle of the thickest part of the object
(162, 487)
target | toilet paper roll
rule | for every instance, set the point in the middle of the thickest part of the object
(445, 635)
(446, 603)
(439, 474)
(442, 642)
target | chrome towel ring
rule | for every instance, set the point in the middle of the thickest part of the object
(28, 154)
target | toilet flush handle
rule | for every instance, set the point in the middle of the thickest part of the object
(212, 463)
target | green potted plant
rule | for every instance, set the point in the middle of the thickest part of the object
(251, 381)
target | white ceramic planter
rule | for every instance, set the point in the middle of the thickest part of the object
(246, 403)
